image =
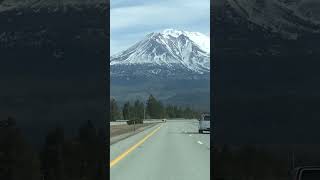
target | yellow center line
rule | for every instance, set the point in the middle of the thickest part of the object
(124, 154)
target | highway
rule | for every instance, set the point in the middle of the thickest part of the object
(169, 151)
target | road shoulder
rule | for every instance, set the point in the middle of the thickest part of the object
(123, 136)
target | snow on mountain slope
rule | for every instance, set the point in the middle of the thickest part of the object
(52, 5)
(286, 16)
(171, 50)
(200, 39)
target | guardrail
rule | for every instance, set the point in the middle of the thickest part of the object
(113, 123)
(121, 122)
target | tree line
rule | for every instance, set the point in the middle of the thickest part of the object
(247, 162)
(60, 158)
(151, 109)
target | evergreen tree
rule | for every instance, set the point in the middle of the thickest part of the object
(126, 111)
(169, 111)
(161, 110)
(102, 155)
(141, 110)
(154, 108)
(188, 113)
(87, 132)
(150, 109)
(164, 112)
(18, 159)
(177, 112)
(52, 159)
(138, 109)
(90, 152)
(114, 110)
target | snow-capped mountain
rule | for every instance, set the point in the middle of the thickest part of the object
(170, 53)
(49, 5)
(34, 23)
(288, 17)
(200, 39)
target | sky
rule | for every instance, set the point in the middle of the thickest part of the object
(131, 20)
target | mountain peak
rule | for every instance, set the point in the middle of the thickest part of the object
(176, 33)
(171, 50)
(35, 5)
(202, 40)
(286, 17)
(172, 32)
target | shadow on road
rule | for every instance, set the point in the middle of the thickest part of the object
(194, 133)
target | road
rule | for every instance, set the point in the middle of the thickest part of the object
(172, 151)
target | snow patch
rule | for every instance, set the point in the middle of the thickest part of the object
(170, 49)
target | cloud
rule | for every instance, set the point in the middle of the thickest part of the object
(175, 12)
(129, 21)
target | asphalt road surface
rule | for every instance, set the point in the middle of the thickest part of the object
(169, 151)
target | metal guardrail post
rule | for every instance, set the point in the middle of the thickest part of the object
(134, 125)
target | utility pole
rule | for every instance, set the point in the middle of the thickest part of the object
(145, 105)
(134, 125)
(134, 121)
(144, 111)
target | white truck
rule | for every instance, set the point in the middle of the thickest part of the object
(204, 123)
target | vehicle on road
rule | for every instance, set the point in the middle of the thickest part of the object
(307, 173)
(204, 123)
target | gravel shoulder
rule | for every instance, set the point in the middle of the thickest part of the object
(120, 132)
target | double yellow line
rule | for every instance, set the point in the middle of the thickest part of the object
(124, 154)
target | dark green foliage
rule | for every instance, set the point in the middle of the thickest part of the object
(138, 109)
(114, 110)
(182, 93)
(154, 109)
(17, 158)
(126, 111)
(52, 160)
(179, 112)
(83, 157)
(135, 111)
(91, 152)
(170, 111)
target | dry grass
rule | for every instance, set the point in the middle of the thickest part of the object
(124, 128)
